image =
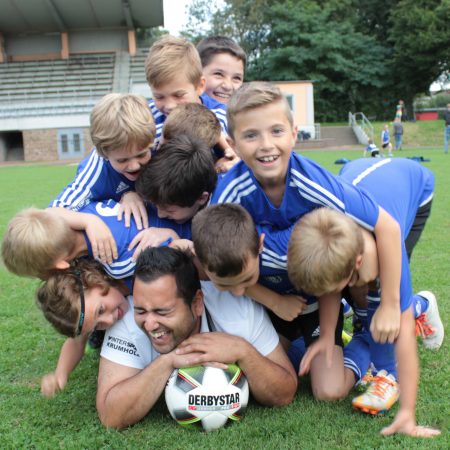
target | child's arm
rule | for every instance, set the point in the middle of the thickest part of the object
(408, 374)
(329, 307)
(385, 324)
(100, 236)
(151, 237)
(131, 204)
(229, 156)
(287, 307)
(71, 354)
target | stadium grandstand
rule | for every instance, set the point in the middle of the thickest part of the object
(57, 58)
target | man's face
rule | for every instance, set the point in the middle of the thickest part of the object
(237, 284)
(224, 74)
(264, 139)
(179, 90)
(163, 316)
(129, 162)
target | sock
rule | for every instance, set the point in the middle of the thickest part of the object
(382, 355)
(357, 355)
(420, 305)
(296, 352)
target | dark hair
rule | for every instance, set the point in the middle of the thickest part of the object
(179, 173)
(224, 236)
(155, 262)
(213, 45)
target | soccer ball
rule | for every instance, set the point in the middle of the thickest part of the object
(207, 396)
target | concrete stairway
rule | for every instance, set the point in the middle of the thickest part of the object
(339, 136)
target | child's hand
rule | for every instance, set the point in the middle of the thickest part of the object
(183, 244)
(404, 423)
(51, 384)
(132, 204)
(151, 237)
(322, 346)
(385, 324)
(289, 307)
(101, 239)
(229, 159)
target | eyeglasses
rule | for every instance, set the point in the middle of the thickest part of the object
(77, 274)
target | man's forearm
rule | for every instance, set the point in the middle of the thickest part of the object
(272, 382)
(128, 401)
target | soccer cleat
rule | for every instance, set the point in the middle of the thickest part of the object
(429, 325)
(346, 337)
(381, 394)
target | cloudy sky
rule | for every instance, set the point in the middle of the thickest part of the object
(175, 15)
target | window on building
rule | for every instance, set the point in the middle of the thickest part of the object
(290, 100)
(64, 143)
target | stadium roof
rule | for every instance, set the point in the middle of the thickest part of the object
(43, 16)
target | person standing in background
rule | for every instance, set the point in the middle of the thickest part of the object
(398, 134)
(447, 128)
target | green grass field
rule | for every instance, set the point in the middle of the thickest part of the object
(69, 421)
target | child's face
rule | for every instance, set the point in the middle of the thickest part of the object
(237, 284)
(102, 311)
(179, 90)
(263, 139)
(224, 74)
(129, 162)
(179, 214)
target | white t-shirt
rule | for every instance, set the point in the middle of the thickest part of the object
(126, 344)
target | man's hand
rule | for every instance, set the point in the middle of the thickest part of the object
(385, 324)
(51, 384)
(131, 204)
(102, 241)
(212, 348)
(404, 423)
(323, 345)
(151, 237)
(289, 307)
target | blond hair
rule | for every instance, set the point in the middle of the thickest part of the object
(170, 57)
(322, 250)
(121, 121)
(193, 119)
(255, 95)
(34, 241)
(59, 296)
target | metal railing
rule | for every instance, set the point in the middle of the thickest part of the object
(362, 127)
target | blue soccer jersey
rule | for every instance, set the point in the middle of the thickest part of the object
(308, 186)
(273, 272)
(400, 186)
(96, 180)
(219, 109)
(123, 266)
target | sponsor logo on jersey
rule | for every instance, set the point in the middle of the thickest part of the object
(122, 346)
(316, 332)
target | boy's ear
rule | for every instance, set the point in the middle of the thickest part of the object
(203, 198)
(62, 264)
(201, 86)
(294, 133)
(197, 304)
(358, 262)
(261, 242)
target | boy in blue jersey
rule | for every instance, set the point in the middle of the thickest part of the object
(223, 64)
(328, 252)
(386, 140)
(39, 241)
(122, 129)
(178, 181)
(278, 186)
(174, 73)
